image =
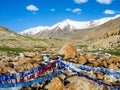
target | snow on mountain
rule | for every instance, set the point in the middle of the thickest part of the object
(69, 25)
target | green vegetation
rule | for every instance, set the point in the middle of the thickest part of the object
(11, 50)
(35, 39)
(39, 47)
(84, 47)
(8, 39)
(115, 51)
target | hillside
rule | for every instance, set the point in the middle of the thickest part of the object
(99, 33)
(11, 41)
(104, 36)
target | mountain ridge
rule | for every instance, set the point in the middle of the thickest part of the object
(66, 25)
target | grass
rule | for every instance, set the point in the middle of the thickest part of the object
(115, 51)
(35, 39)
(8, 39)
(11, 50)
(39, 47)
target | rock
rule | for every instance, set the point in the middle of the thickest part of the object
(71, 87)
(91, 60)
(95, 64)
(81, 83)
(53, 56)
(68, 50)
(5, 70)
(11, 70)
(113, 59)
(82, 60)
(35, 65)
(37, 57)
(35, 87)
(10, 65)
(105, 64)
(93, 75)
(20, 69)
(73, 60)
(89, 56)
(100, 75)
(56, 84)
(108, 79)
(113, 66)
(29, 54)
(28, 66)
(69, 73)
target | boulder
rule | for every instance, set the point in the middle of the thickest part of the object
(82, 60)
(81, 83)
(55, 84)
(68, 50)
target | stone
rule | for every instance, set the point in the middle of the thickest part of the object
(68, 50)
(20, 69)
(53, 56)
(105, 64)
(55, 84)
(95, 63)
(71, 87)
(91, 60)
(108, 79)
(35, 65)
(113, 66)
(113, 59)
(100, 75)
(5, 70)
(73, 60)
(29, 54)
(37, 57)
(35, 87)
(93, 75)
(81, 83)
(82, 60)
(89, 56)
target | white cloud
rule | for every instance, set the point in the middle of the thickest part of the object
(109, 12)
(105, 1)
(80, 1)
(32, 8)
(52, 9)
(68, 9)
(75, 10)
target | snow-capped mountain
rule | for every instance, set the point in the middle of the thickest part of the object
(66, 25)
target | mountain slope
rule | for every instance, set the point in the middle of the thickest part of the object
(65, 26)
(6, 33)
(10, 39)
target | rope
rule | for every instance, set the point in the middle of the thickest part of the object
(25, 73)
(32, 82)
(89, 78)
(115, 74)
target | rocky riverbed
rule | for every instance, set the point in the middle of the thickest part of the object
(19, 62)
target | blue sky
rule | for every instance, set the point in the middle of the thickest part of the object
(19, 15)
